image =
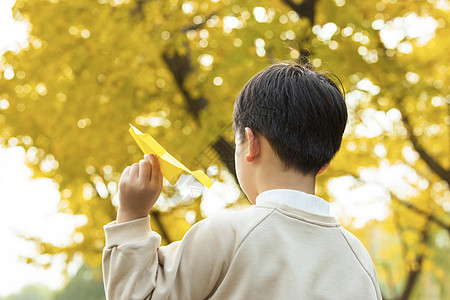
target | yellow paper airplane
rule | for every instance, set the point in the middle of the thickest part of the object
(171, 168)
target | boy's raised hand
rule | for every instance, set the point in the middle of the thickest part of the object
(139, 188)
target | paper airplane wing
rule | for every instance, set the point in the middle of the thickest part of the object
(171, 168)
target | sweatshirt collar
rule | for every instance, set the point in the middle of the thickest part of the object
(297, 199)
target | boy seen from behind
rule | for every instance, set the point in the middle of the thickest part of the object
(288, 122)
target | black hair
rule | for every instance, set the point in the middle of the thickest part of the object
(301, 113)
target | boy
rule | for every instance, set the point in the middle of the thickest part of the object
(288, 122)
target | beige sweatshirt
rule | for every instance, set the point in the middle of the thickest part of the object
(271, 250)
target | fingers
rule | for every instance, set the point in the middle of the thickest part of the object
(156, 169)
(160, 177)
(125, 174)
(134, 170)
(147, 169)
(144, 170)
(126, 171)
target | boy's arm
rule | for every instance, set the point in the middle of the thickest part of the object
(134, 264)
(130, 251)
(136, 267)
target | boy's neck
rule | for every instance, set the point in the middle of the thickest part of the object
(285, 180)
(288, 180)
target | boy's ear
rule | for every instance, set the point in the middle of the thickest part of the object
(253, 144)
(323, 168)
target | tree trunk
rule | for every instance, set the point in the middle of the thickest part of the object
(414, 272)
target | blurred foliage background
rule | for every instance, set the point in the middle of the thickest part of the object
(173, 68)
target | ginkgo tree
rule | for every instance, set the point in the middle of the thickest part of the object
(174, 68)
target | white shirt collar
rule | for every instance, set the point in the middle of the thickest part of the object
(296, 199)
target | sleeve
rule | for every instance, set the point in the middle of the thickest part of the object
(364, 259)
(136, 266)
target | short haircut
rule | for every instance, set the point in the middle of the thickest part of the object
(301, 113)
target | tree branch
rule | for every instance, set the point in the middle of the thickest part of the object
(428, 215)
(180, 67)
(427, 158)
(138, 9)
(156, 216)
(416, 269)
(226, 152)
(305, 9)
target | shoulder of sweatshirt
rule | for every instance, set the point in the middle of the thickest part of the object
(361, 254)
(358, 249)
(233, 225)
